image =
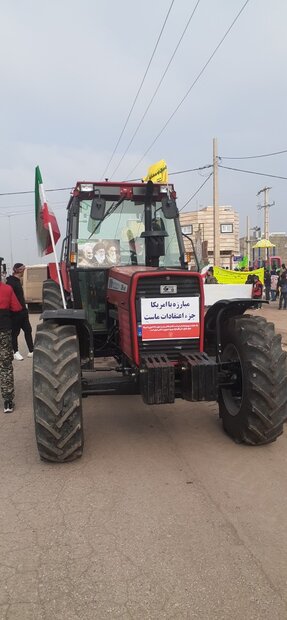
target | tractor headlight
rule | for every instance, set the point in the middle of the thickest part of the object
(86, 187)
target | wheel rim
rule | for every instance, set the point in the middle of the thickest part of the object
(232, 397)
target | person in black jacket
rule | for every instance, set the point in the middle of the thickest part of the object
(267, 284)
(21, 319)
(8, 304)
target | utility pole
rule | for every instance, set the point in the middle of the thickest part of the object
(216, 236)
(266, 207)
(248, 239)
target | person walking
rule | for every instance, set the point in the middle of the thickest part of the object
(267, 284)
(21, 320)
(8, 304)
(257, 289)
(283, 291)
(274, 282)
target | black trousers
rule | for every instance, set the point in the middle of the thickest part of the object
(21, 321)
(283, 299)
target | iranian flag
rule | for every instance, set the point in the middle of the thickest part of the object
(47, 228)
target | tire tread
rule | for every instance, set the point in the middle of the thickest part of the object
(57, 393)
(265, 388)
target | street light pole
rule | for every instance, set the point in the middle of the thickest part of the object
(216, 237)
(10, 241)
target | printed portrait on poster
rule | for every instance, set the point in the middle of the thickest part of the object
(101, 253)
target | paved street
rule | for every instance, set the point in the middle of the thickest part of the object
(163, 517)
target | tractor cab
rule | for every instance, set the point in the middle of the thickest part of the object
(120, 224)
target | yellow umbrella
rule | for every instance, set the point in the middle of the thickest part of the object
(264, 243)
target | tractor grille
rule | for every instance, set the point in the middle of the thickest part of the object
(150, 287)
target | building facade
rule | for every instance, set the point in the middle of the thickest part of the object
(280, 241)
(199, 226)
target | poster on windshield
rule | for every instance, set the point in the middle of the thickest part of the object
(169, 318)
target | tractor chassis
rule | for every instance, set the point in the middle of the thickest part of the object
(194, 377)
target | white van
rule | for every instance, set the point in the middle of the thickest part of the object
(33, 279)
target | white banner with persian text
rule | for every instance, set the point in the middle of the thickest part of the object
(168, 318)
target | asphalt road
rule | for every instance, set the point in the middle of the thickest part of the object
(163, 517)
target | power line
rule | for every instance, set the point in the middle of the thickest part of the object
(15, 214)
(262, 174)
(198, 190)
(171, 174)
(22, 206)
(156, 90)
(186, 171)
(58, 189)
(138, 92)
(23, 212)
(190, 170)
(64, 189)
(256, 156)
(192, 85)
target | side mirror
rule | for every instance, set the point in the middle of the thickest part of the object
(169, 208)
(98, 207)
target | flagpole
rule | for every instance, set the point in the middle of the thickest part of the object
(57, 265)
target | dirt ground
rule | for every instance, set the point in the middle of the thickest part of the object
(164, 517)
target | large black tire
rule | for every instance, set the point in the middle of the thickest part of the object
(57, 393)
(254, 410)
(52, 298)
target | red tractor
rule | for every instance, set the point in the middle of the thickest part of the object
(129, 297)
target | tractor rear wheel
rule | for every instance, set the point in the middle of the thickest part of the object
(254, 409)
(57, 393)
(52, 299)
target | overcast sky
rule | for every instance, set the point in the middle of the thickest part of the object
(70, 71)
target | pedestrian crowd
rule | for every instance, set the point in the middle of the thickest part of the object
(13, 317)
(275, 282)
(275, 285)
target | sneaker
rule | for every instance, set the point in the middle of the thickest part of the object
(8, 406)
(18, 356)
(30, 354)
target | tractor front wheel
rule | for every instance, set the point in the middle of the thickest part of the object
(51, 296)
(254, 408)
(57, 393)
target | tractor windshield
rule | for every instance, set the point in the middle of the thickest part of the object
(116, 240)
